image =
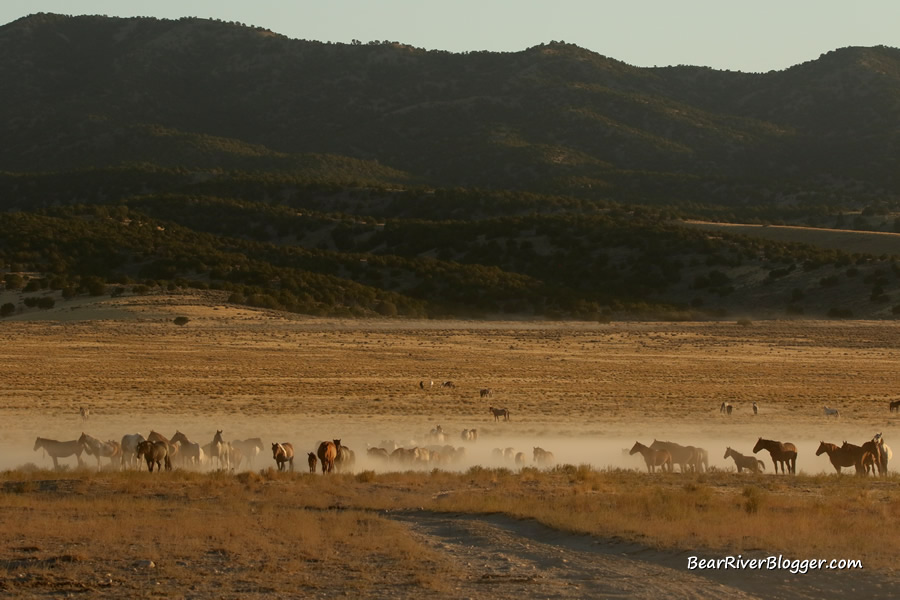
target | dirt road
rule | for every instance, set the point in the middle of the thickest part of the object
(507, 558)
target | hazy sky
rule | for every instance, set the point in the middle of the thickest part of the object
(758, 35)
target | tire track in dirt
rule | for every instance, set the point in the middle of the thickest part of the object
(508, 558)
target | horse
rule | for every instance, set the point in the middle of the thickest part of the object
(345, 458)
(327, 452)
(58, 449)
(188, 450)
(894, 405)
(312, 460)
(886, 453)
(784, 453)
(520, 459)
(486, 393)
(158, 437)
(85, 412)
(500, 412)
(469, 435)
(436, 435)
(219, 450)
(832, 412)
(874, 448)
(683, 456)
(838, 456)
(653, 458)
(751, 463)
(94, 447)
(726, 408)
(283, 453)
(250, 448)
(448, 385)
(755, 409)
(155, 452)
(542, 457)
(129, 446)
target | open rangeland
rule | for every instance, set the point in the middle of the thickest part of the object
(468, 523)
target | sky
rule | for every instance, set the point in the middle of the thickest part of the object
(757, 36)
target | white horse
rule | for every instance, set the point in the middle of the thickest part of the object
(129, 449)
(832, 412)
(726, 408)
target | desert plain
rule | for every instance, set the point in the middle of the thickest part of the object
(594, 524)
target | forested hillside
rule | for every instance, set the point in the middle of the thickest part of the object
(357, 179)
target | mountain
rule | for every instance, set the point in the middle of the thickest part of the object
(361, 178)
(97, 91)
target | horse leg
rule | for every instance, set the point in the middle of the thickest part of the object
(55, 463)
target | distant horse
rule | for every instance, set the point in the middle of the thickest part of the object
(543, 457)
(500, 412)
(58, 449)
(188, 450)
(283, 453)
(894, 405)
(832, 412)
(838, 456)
(520, 459)
(448, 385)
(344, 458)
(327, 452)
(858, 454)
(436, 435)
(726, 408)
(486, 393)
(653, 458)
(312, 460)
(129, 446)
(155, 452)
(755, 409)
(250, 448)
(94, 447)
(469, 435)
(378, 453)
(751, 463)
(85, 413)
(219, 450)
(784, 453)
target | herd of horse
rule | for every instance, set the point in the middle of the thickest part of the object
(870, 457)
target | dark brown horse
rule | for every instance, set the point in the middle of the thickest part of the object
(283, 453)
(686, 457)
(894, 405)
(838, 456)
(312, 460)
(653, 458)
(859, 456)
(784, 453)
(327, 452)
(155, 453)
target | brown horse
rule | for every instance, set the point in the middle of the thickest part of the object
(541, 456)
(653, 458)
(859, 456)
(312, 460)
(327, 452)
(894, 405)
(155, 452)
(751, 463)
(838, 456)
(784, 453)
(283, 453)
(188, 451)
(500, 412)
(684, 456)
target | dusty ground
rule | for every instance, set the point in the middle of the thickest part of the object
(583, 391)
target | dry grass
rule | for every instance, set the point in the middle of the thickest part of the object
(582, 391)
